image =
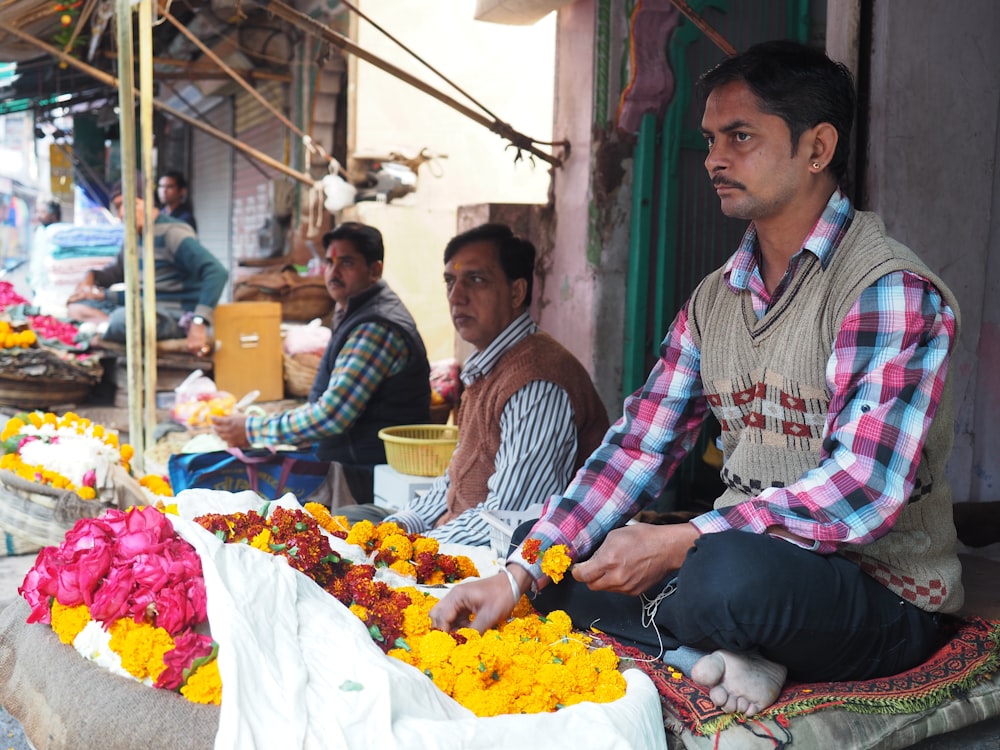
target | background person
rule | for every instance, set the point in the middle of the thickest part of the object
(822, 347)
(189, 282)
(374, 372)
(172, 192)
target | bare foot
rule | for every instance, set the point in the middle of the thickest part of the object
(739, 682)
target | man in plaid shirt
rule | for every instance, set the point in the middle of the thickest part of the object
(822, 348)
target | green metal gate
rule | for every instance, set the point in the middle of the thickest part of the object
(678, 233)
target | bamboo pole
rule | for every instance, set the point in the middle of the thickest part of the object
(148, 252)
(130, 250)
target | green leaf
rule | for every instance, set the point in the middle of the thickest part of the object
(350, 686)
(401, 643)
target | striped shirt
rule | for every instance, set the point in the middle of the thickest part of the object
(528, 469)
(372, 353)
(889, 359)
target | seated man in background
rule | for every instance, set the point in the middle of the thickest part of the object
(172, 192)
(374, 372)
(189, 282)
(529, 413)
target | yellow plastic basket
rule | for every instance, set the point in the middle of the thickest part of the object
(420, 449)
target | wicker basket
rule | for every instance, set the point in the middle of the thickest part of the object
(39, 513)
(43, 514)
(300, 372)
(39, 378)
(420, 449)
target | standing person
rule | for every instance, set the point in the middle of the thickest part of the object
(529, 413)
(822, 347)
(46, 214)
(172, 191)
(374, 372)
(189, 283)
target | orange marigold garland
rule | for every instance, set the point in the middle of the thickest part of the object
(555, 560)
(529, 664)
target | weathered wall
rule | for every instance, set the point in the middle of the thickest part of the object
(584, 298)
(931, 166)
(509, 69)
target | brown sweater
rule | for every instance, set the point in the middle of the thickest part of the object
(766, 383)
(537, 357)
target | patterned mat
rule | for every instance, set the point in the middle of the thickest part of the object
(969, 656)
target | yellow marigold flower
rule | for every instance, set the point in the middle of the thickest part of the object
(141, 647)
(262, 540)
(404, 568)
(387, 529)
(50, 419)
(326, 521)
(86, 493)
(555, 562)
(398, 544)
(361, 533)
(13, 427)
(434, 648)
(67, 622)
(425, 544)
(204, 685)
(35, 418)
(127, 452)
(360, 612)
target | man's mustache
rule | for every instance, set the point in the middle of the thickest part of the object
(717, 181)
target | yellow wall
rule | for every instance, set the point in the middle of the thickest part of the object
(509, 69)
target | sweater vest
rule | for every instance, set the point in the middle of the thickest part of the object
(765, 381)
(403, 398)
(536, 357)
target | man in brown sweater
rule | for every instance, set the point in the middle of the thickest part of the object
(529, 412)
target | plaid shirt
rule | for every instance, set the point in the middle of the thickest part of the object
(890, 357)
(372, 353)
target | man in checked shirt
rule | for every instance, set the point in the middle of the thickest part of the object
(374, 372)
(822, 347)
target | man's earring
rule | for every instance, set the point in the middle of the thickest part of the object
(816, 165)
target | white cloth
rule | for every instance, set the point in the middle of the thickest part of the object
(299, 670)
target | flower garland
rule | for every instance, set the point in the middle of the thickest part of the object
(555, 560)
(529, 664)
(128, 592)
(67, 452)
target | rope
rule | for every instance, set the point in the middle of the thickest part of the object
(313, 217)
(307, 141)
(310, 25)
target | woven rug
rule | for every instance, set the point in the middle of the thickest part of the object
(969, 656)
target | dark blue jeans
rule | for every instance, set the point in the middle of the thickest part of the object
(819, 615)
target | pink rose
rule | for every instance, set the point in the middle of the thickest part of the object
(39, 586)
(188, 646)
(175, 611)
(112, 599)
(89, 478)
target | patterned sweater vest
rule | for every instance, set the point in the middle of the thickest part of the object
(537, 357)
(765, 382)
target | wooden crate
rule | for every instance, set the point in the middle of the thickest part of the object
(248, 349)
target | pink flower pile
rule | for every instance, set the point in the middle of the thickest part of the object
(127, 564)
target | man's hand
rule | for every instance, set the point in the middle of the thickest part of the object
(197, 340)
(232, 429)
(635, 557)
(490, 600)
